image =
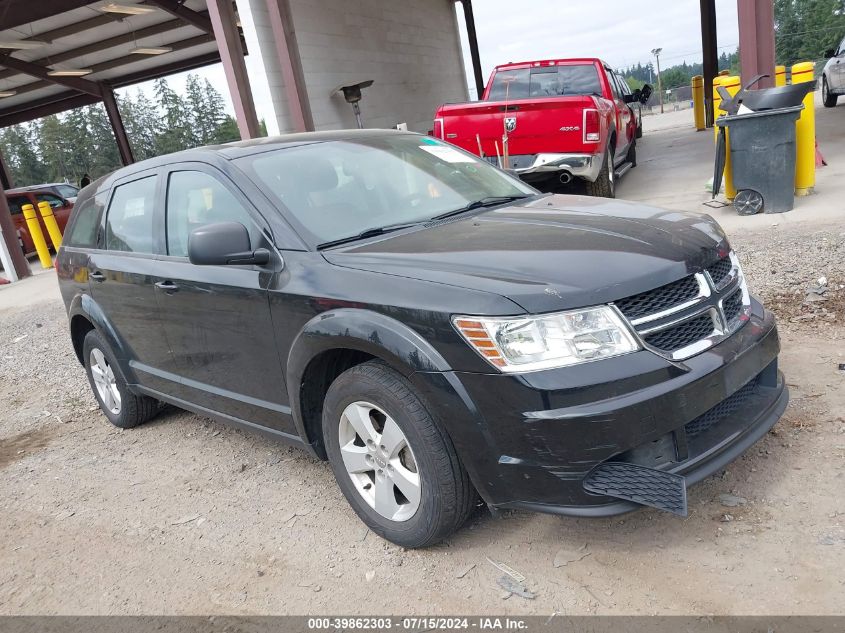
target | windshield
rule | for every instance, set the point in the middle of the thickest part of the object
(545, 81)
(337, 189)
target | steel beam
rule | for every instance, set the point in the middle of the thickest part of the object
(710, 63)
(123, 145)
(290, 63)
(34, 70)
(469, 18)
(10, 234)
(232, 55)
(63, 101)
(173, 7)
(102, 45)
(757, 41)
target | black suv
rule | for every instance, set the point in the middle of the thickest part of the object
(432, 326)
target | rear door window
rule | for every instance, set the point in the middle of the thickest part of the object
(129, 225)
(83, 233)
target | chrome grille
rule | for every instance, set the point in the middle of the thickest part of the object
(682, 335)
(659, 299)
(720, 271)
(732, 306)
(685, 317)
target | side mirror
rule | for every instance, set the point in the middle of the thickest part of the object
(645, 93)
(829, 53)
(222, 244)
(633, 97)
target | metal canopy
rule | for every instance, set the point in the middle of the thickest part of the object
(77, 34)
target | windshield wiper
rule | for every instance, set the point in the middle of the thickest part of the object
(371, 232)
(490, 201)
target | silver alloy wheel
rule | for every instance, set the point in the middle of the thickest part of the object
(104, 381)
(379, 461)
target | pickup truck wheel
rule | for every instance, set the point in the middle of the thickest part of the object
(639, 133)
(123, 408)
(396, 467)
(828, 99)
(604, 186)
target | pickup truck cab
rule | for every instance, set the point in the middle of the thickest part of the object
(552, 121)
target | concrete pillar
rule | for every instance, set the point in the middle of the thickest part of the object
(757, 41)
(232, 55)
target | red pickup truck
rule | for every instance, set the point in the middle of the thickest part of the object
(552, 121)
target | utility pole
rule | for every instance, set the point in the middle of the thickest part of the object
(656, 52)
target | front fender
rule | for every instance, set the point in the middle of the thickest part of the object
(361, 330)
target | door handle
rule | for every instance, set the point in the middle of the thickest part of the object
(168, 286)
(97, 276)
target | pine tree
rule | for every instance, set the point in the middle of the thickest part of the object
(103, 146)
(25, 165)
(174, 134)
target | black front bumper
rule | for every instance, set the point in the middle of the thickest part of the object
(529, 441)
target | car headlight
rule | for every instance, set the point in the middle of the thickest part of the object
(528, 343)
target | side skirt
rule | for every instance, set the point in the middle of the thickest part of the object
(287, 438)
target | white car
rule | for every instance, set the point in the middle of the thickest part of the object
(833, 75)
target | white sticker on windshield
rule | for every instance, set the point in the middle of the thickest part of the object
(450, 155)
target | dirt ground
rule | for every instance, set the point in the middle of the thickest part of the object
(187, 516)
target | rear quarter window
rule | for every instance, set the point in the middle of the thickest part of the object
(86, 219)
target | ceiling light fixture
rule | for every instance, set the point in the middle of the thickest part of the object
(151, 50)
(126, 9)
(22, 45)
(70, 72)
(7, 93)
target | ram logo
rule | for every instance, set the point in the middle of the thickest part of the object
(510, 123)
(570, 128)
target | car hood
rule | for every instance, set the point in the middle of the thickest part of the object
(551, 253)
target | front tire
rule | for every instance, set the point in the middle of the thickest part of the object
(394, 464)
(829, 100)
(123, 408)
(604, 186)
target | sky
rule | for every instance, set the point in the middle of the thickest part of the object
(622, 32)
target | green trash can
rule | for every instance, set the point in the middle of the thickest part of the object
(763, 159)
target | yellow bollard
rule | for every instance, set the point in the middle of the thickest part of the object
(51, 224)
(724, 73)
(732, 84)
(698, 102)
(805, 135)
(37, 236)
(780, 76)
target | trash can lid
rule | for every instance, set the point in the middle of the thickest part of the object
(726, 120)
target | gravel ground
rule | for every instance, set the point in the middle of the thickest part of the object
(187, 516)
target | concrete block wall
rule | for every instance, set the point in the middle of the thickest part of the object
(410, 48)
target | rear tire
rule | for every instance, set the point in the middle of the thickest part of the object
(405, 457)
(829, 100)
(604, 185)
(123, 408)
(639, 129)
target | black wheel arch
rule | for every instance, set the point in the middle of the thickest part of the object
(335, 341)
